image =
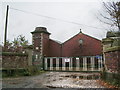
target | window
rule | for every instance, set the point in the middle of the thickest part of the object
(60, 62)
(80, 41)
(36, 56)
(37, 48)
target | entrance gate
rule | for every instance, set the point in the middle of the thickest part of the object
(86, 63)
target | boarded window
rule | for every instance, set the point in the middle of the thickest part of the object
(74, 62)
(54, 62)
(96, 62)
(88, 62)
(48, 62)
(60, 62)
(67, 64)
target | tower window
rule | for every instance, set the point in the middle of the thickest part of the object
(37, 48)
(36, 56)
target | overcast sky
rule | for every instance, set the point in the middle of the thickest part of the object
(82, 12)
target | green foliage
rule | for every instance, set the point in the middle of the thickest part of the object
(112, 78)
(16, 45)
(20, 41)
(115, 48)
(29, 71)
(8, 43)
(113, 34)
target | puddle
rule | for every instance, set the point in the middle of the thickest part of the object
(85, 77)
(72, 80)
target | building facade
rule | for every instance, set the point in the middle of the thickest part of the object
(80, 53)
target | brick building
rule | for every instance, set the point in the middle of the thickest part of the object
(80, 48)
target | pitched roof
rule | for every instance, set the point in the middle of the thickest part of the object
(83, 34)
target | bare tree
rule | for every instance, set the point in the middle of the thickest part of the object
(113, 11)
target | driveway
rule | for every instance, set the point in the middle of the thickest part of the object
(54, 80)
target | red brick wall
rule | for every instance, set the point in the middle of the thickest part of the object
(71, 48)
(111, 60)
(91, 46)
(46, 44)
(55, 49)
(36, 41)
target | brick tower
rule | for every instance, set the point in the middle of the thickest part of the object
(40, 41)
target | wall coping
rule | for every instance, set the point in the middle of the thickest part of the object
(110, 49)
(13, 54)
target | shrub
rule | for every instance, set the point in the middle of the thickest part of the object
(29, 71)
(112, 78)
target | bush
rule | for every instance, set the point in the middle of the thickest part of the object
(112, 78)
(29, 71)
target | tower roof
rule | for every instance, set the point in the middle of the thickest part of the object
(40, 30)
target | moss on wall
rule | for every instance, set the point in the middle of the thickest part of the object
(115, 48)
(29, 71)
(112, 78)
(13, 54)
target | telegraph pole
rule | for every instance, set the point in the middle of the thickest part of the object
(6, 22)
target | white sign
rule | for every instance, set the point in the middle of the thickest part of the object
(77, 58)
(67, 59)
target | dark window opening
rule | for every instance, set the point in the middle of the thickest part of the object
(96, 62)
(81, 62)
(67, 64)
(74, 62)
(60, 62)
(48, 62)
(54, 62)
(88, 62)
